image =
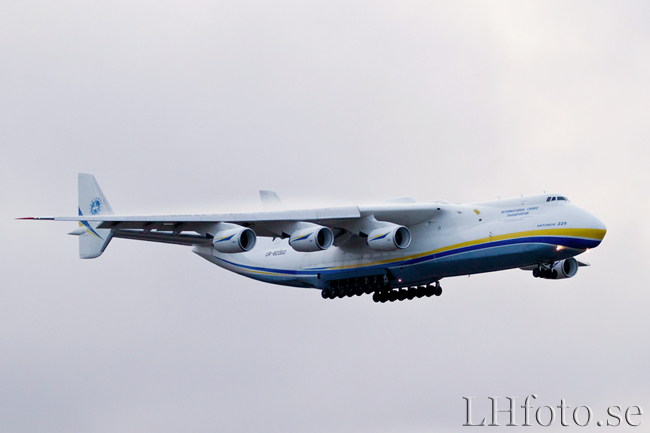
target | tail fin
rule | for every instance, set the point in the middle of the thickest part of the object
(270, 200)
(93, 241)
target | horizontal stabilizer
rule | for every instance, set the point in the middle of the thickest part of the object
(79, 231)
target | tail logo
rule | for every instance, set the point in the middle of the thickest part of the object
(95, 206)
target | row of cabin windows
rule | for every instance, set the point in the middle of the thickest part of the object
(556, 198)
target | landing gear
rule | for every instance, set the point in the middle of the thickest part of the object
(380, 289)
(409, 293)
(438, 289)
(545, 271)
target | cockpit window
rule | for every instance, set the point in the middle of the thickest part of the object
(558, 198)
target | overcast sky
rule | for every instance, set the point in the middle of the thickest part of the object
(181, 107)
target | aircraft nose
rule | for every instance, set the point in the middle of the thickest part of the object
(598, 224)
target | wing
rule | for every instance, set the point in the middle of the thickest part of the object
(195, 229)
(236, 232)
(264, 223)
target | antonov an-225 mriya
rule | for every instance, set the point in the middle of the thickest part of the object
(397, 250)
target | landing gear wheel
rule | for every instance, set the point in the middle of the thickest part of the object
(325, 293)
(438, 291)
(536, 273)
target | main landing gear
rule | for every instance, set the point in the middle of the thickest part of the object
(409, 293)
(382, 291)
(545, 272)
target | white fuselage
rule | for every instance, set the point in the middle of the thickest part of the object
(464, 239)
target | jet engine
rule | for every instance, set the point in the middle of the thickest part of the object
(389, 238)
(234, 240)
(313, 238)
(566, 268)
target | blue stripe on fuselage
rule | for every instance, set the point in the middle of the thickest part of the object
(576, 243)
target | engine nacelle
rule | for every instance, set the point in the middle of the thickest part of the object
(389, 238)
(566, 268)
(234, 240)
(314, 238)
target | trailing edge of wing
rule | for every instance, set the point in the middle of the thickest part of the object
(167, 238)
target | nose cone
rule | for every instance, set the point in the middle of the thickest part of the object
(598, 229)
(598, 225)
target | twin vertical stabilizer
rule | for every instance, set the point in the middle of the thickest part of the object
(92, 241)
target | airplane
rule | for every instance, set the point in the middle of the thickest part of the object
(396, 250)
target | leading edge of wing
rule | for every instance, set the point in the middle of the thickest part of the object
(243, 217)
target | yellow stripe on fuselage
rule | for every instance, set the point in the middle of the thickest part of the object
(568, 232)
(265, 273)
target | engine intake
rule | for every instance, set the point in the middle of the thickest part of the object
(234, 240)
(389, 238)
(315, 238)
(566, 268)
